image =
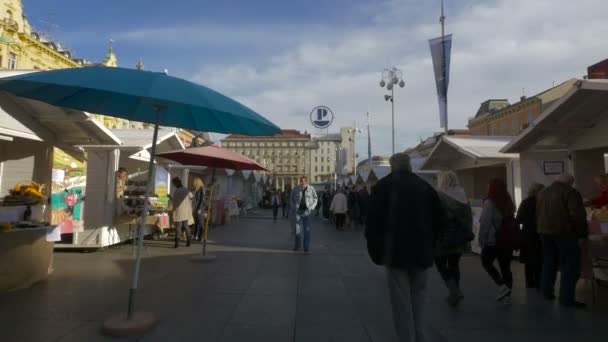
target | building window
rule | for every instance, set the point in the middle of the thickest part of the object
(530, 117)
(322, 168)
(12, 61)
(316, 169)
(515, 124)
(322, 159)
(316, 159)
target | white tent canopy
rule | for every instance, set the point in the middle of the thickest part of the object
(463, 152)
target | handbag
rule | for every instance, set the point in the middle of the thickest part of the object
(509, 235)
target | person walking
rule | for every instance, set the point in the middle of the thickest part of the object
(562, 224)
(304, 201)
(402, 228)
(198, 208)
(498, 211)
(275, 202)
(352, 206)
(326, 201)
(363, 204)
(455, 236)
(531, 252)
(339, 206)
(285, 201)
(181, 202)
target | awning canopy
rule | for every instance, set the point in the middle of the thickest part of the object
(465, 152)
(62, 127)
(579, 120)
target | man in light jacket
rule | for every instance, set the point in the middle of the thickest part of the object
(339, 206)
(562, 224)
(303, 201)
(403, 227)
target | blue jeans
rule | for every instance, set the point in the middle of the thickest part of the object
(566, 253)
(407, 291)
(302, 228)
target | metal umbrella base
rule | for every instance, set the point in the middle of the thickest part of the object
(204, 257)
(137, 325)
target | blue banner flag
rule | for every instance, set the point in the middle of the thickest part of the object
(440, 54)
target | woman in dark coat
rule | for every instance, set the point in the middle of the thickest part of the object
(456, 235)
(198, 208)
(531, 253)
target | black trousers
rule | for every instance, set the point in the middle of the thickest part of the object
(275, 211)
(532, 254)
(340, 218)
(284, 206)
(504, 256)
(448, 267)
(198, 226)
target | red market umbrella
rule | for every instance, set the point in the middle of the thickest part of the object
(212, 156)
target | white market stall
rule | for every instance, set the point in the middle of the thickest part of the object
(113, 219)
(571, 135)
(476, 160)
(39, 143)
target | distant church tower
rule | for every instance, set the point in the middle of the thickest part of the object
(111, 59)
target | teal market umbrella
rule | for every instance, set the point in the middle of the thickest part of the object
(143, 96)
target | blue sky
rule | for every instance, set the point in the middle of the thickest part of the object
(282, 58)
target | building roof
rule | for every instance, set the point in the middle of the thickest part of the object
(285, 134)
(567, 120)
(491, 106)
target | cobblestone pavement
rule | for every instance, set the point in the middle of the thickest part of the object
(259, 290)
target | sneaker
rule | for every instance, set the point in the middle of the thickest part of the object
(503, 291)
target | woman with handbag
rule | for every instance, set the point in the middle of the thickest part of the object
(497, 230)
(455, 236)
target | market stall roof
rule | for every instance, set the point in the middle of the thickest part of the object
(381, 171)
(464, 152)
(63, 127)
(417, 163)
(168, 140)
(364, 175)
(568, 120)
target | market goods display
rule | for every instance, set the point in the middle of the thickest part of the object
(25, 194)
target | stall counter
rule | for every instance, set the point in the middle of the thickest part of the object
(26, 257)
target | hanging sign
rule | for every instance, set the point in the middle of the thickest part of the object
(321, 117)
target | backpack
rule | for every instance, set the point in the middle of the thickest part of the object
(509, 235)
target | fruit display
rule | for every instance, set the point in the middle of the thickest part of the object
(25, 194)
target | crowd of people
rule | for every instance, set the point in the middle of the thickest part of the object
(412, 225)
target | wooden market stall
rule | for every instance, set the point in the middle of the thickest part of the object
(476, 160)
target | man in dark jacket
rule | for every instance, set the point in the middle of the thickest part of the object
(403, 227)
(562, 224)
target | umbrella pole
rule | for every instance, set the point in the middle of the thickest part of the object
(208, 213)
(140, 235)
(136, 323)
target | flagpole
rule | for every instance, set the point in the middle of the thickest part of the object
(442, 20)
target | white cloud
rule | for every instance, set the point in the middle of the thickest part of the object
(499, 48)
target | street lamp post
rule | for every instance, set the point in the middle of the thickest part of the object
(390, 78)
